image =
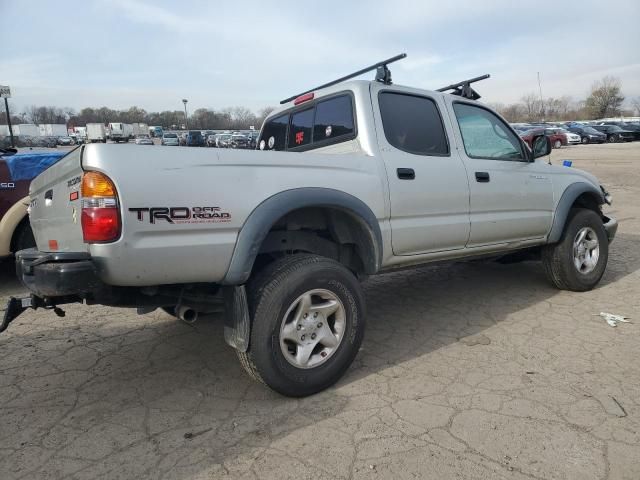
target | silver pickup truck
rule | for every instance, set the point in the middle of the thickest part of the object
(350, 180)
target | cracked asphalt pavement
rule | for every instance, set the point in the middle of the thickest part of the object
(469, 370)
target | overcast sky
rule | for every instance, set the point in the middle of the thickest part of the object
(152, 54)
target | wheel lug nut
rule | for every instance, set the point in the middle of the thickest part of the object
(315, 315)
(323, 354)
(320, 325)
(313, 336)
(306, 315)
(302, 337)
(298, 327)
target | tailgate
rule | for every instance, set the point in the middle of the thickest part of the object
(55, 206)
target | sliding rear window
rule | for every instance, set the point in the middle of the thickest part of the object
(326, 122)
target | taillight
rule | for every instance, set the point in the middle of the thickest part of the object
(100, 214)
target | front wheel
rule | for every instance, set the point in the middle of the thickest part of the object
(578, 261)
(585, 140)
(612, 139)
(557, 144)
(308, 322)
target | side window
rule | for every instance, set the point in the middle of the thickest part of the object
(300, 128)
(334, 118)
(412, 123)
(274, 133)
(486, 136)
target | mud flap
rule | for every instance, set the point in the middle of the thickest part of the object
(237, 324)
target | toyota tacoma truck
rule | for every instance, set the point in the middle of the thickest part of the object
(351, 179)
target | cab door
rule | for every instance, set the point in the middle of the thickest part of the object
(511, 198)
(428, 186)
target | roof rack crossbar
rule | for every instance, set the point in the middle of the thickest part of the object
(463, 89)
(383, 76)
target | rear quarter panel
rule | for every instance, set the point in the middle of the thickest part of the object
(234, 182)
(12, 206)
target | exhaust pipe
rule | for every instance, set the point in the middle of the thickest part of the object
(187, 314)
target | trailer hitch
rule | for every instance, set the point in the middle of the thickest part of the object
(16, 306)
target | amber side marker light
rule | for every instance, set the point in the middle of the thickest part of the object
(100, 217)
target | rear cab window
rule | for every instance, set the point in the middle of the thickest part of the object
(327, 121)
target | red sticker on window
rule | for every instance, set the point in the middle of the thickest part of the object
(299, 138)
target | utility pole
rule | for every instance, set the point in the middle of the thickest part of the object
(541, 100)
(5, 92)
(186, 118)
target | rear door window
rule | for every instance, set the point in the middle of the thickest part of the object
(412, 124)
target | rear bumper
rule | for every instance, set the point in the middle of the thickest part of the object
(57, 274)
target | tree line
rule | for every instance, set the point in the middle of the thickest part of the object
(605, 100)
(235, 118)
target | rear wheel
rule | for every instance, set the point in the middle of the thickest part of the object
(612, 139)
(585, 140)
(578, 261)
(308, 322)
(557, 144)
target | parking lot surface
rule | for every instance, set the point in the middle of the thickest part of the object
(468, 370)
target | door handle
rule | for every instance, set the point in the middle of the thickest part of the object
(406, 173)
(482, 177)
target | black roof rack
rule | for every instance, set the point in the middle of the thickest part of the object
(382, 75)
(463, 89)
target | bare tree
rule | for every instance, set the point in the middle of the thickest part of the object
(605, 98)
(532, 107)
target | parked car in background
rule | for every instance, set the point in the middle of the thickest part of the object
(16, 173)
(182, 139)
(47, 142)
(557, 135)
(239, 141)
(143, 139)
(631, 127)
(557, 139)
(572, 138)
(170, 139)
(195, 139)
(223, 140)
(587, 134)
(614, 133)
(65, 141)
(211, 140)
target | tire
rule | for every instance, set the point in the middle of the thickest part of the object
(557, 144)
(276, 299)
(559, 260)
(24, 237)
(585, 140)
(612, 139)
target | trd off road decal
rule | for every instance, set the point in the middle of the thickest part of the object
(181, 214)
(7, 185)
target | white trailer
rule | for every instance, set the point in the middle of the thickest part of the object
(52, 129)
(96, 133)
(30, 129)
(120, 132)
(140, 129)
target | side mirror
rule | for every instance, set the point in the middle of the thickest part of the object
(541, 146)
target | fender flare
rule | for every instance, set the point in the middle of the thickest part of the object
(10, 222)
(569, 196)
(265, 215)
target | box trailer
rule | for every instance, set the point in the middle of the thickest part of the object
(52, 129)
(96, 133)
(29, 129)
(140, 129)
